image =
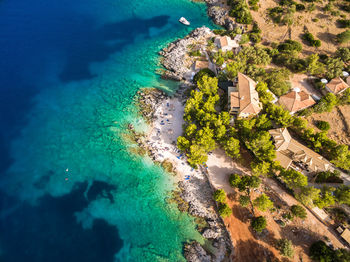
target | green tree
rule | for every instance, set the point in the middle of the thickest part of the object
(264, 95)
(220, 196)
(279, 114)
(319, 251)
(342, 255)
(258, 223)
(343, 53)
(323, 125)
(224, 210)
(276, 81)
(314, 66)
(235, 180)
(244, 200)
(285, 246)
(260, 168)
(299, 123)
(307, 195)
(263, 203)
(182, 143)
(191, 130)
(201, 73)
(294, 179)
(326, 198)
(341, 157)
(261, 145)
(208, 85)
(196, 155)
(298, 211)
(232, 147)
(334, 67)
(342, 195)
(248, 182)
(327, 103)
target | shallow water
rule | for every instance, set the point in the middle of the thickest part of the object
(70, 190)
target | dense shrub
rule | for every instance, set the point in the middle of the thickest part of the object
(285, 247)
(343, 53)
(220, 196)
(289, 46)
(240, 11)
(195, 53)
(300, 7)
(298, 211)
(310, 39)
(323, 125)
(276, 14)
(244, 200)
(258, 223)
(224, 210)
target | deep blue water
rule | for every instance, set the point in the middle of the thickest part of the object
(70, 188)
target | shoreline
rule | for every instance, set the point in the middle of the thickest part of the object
(194, 191)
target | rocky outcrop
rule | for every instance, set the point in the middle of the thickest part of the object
(218, 14)
(194, 252)
(148, 100)
(175, 58)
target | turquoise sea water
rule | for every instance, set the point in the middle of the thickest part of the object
(69, 188)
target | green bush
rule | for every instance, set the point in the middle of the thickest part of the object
(255, 37)
(298, 211)
(300, 7)
(235, 179)
(244, 201)
(289, 46)
(259, 223)
(319, 251)
(224, 210)
(285, 247)
(201, 73)
(344, 37)
(195, 53)
(343, 53)
(219, 31)
(310, 39)
(276, 14)
(323, 125)
(220, 196)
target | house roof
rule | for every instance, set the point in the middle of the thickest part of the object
(201, 64)
(288, 150)
(227, 41)
(245, 98)
(348, 80)
(346, 235)
(337, 85)
(295, 101)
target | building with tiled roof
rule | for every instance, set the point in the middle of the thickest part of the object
(243, 98)
(296, 100)
(337, 86)
(290, 152)
(225, 43)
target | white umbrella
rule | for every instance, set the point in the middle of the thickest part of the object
(345, 74)
(324, 81)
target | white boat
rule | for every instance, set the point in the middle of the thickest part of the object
(184, 21)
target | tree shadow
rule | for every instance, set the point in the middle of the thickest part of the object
(96, 45)
(300, 236)
(241, 213)
(326, 37)
(250, 251)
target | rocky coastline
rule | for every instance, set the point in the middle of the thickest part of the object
(193, 196)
